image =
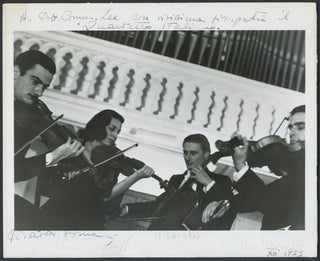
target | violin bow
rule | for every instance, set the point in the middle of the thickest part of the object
(111, 158)
(38, 135)
(284, 119)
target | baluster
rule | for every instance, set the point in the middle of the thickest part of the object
(145, 92)
(177, 101)
(219, 109)
(108, 78)
(128, 88)
(278, 115)
(229, 114)
(170, 99)
(185, 101)
(135, 92)
(51, 53)
(123, 81)
(64, 77)
(203, 45)
(193, 40)
(82, 71)
(98, 77)
(265, 122)
(201, 105)
(158, 85)
(32, 44)
(50, 49)
(250, 114)
(17, 47)
(179, 41)
(112, 77)
(211, 107)
(162, 94)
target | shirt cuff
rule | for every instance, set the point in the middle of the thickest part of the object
(49, 158)
(238, 174)
(126, 210)
(209, 186)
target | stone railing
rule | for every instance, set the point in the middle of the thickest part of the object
(162, 99)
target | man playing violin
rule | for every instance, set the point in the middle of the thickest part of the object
(33, 72)
(196, 180)
(282, 202)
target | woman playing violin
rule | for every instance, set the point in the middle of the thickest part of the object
(86, 211)
(100, 135)
(282, 202)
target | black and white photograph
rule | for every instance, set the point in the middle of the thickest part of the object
(171, 128)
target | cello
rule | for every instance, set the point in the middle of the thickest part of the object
(179, 209)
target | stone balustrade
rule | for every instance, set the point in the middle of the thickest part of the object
(162, 99)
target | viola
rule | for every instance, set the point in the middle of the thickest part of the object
(271, 151)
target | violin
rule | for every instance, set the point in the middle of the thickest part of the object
(126, 165)
(37, 117)
(271, 151)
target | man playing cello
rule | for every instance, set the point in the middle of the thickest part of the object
(197, 185)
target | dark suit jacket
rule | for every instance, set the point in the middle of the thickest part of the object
(220, 190)
(25, 168)
(281, 202)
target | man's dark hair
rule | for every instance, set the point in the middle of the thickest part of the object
(29, 59)
(200, 139)
(301, 108)
(96, 127)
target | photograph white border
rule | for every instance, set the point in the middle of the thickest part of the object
(238, 16)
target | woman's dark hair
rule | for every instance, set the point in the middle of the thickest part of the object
(301, 108)
(96, 127)
(198, 138)
(29, 59)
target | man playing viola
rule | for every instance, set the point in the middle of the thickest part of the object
(33, 72)
(196, 180)
(282, 202)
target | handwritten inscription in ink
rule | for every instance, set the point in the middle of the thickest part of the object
(110, 19)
